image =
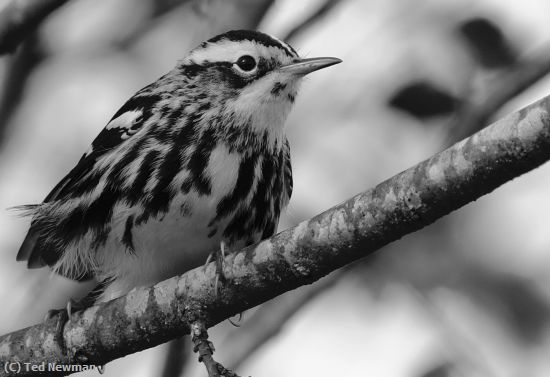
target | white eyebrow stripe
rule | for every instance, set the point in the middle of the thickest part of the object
(227, 50)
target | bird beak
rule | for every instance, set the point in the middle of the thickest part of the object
(302, 67)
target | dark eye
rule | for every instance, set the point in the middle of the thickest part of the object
(246, 63)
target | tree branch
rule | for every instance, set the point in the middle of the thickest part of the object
(19, 18)
(268, 320)
(148, 316)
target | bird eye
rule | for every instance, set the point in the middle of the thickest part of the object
(246, 63)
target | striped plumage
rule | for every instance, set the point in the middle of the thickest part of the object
(196, 158)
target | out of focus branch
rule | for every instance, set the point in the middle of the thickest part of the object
(149, 316)
(311, 19)
(245, 14)
(21, 17)
(177, 356)
(18, 69)
(220, 15)
(509, 84)
(270, 318)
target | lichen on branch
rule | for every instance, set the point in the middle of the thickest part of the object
(149, 316)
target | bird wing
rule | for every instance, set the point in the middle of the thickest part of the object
(127, 121)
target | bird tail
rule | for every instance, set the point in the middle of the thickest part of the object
(29, 250)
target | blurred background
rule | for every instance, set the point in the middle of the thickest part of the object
(467, 296)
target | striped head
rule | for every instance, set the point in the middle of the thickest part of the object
(253, 77)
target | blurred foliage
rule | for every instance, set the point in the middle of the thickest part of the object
(487, 43)
(442, 370)
(422, 99)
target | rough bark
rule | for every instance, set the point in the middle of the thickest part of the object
(148, 316)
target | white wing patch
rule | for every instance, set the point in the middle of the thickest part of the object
(125, 121)
(125, 124)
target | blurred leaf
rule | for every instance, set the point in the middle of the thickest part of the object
(512, 300)
(422, 99)
(441, 370)
(161, 7)
(526, 311)
(487, 43)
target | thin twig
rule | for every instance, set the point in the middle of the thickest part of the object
(148, 316)
(205, 349)
(20, 18)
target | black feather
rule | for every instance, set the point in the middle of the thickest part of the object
(82, 178)
(245, 179)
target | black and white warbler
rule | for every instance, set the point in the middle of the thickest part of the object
(195, 160)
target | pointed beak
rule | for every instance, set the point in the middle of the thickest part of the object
(304, 66)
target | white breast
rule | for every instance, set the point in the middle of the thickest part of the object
(174, 242)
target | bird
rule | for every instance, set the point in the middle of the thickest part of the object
(194, 163)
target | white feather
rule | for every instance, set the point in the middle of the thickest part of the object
(171, 243)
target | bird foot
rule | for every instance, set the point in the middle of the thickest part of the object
(221, 272)
(63, 316)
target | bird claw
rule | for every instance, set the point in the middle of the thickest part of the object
(219, 258)
(208, 260)
(236, 323)
(63, 316)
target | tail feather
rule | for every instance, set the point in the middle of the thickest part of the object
(29, 250)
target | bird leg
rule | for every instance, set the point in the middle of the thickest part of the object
(205, 349)
(219, 258)
(74, 306)
(63, 316)
(220, 264)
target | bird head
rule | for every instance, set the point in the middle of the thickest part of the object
(255, 77)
